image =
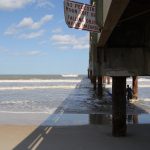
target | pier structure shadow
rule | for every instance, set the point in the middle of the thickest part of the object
(94, 134)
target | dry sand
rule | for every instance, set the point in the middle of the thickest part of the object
(88, 137)
(12, 135)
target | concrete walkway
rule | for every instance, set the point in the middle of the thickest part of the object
(91, 137)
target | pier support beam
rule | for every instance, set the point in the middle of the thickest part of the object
(94, 82)
(88, 73)
(100, 87)
(135, 86)
(119, 106)
(108, 80)
(104, 79)
(91, 76)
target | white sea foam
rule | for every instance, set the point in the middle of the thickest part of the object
(147, 105)
(140, 86)
(143, 79)
(50, 111)
(19, 112)
(146, 99)
(15, 102)
(69, 75)
(144, 86)
(140, 79)
(42, 81)
(37, 87)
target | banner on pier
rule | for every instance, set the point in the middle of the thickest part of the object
(80, 16)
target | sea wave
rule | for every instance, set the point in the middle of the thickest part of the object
(38, 87)
(27, 112)
(43, 81)
(145, 99)
(15, 102)
(69, 75)
(140, 86)
(140, 79)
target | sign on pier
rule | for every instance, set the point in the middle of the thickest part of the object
(80, 16)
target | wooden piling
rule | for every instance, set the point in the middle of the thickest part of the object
(119, 106)
(104, 79)
(135, 119)
(94, 82)
(100, 87)
(135, 87)
(108, 80)
(88, 73)
(91, 76)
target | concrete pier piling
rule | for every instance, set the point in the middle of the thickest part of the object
(104, 79)
(94, 82)
(108, 80)
(135, 87)
(100, 87)
(120, 50)
(90, 75)
(119, 106)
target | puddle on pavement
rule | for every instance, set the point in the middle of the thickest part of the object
(89, 119)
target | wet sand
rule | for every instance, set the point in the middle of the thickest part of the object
(87, 137)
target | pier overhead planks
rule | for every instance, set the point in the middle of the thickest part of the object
(123, 45)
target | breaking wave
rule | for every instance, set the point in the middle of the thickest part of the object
(38, 81)
(38, 87)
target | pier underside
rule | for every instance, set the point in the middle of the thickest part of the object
(121, 50)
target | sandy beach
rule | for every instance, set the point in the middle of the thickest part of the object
(78, 122)
(12, 135)
(75, 75)
(72, 138)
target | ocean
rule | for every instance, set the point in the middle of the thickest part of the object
(35, 93)
(28, 99)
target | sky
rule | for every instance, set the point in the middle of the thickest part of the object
(34, 39)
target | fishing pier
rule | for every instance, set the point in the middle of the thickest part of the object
(120, 50)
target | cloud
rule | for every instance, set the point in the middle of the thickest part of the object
(45, 3)
(8, 5)
(12, 30)
(29, 23)
(57, 30)
(31, 53)
(32, 35)
(13, 52)
(18, 53)
(43, 42)
(34, 53)
(13, 4)
(66, 41)
(3, 49)
(26, 25)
